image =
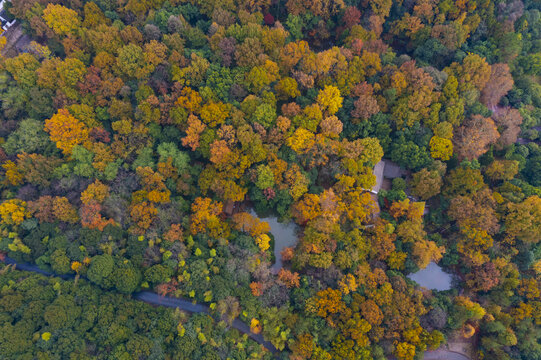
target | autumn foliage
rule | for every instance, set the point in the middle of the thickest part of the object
(151, 144)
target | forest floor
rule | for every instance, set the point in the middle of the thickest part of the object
(17, 41)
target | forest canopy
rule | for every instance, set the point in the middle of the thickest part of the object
(139, 139)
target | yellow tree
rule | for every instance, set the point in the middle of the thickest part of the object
(13, 174)
(301, 141)
(441, 148)
(205, 217)
(263, 241)
(426, 251)
(326, 302)
(404, 351)
(190, 100)
(329, 99)
(96, 191)
(66, 131)
(13, 212)
(64, 211)
(62, 20)
(524, 220)
(193, 132)
(473, 243)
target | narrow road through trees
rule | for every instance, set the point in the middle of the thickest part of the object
(158, 300)
(186, 305)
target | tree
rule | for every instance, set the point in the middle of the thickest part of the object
(93, 16)
(441, 148)
(474, 136)
(205, 218)
(404, 351)
(62, 20)
(303, 346)
(220, 153)
(64, 210)
(23, 69)
(264, 114)
(301, 141)
(193, 132)
(142, 215)
(473, 73)
(13, 212)
(291, 279)
(329, 99)
(190, 100)
(524, 219)
(366, 105)
(473, 243)
(478, 211)
(426, 251)
(483, 278)
(29, 137)
(426, 184)
(265, 177)
(179, 159)
(244, 221)
(71, 72)
(157, 274)
(381, 7)
(499, 83)
(308, 208)
(42, 208)
(126, 278)
(13, 175)
(261, 76)
(263, 241)
(326, 302)
(91, 217)
(130, 61)
(463, 181)
(287, 88)
(348, 284)
(101, 267)
(509, 120)
(66, 131)
(214, 113)
(473, 309)
(352, 16)
(292, 53)
(60, 262)
(96, 191)
(247, 53)
(502, 170)
(331, 126)
(323, 10)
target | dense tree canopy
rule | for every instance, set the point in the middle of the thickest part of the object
(137, 139)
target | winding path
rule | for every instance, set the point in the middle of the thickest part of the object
(158, 300)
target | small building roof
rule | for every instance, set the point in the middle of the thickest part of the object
(378, 172)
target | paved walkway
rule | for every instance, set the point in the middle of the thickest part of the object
(444, 355)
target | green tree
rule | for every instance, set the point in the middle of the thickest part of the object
(29, 137)
(100, 269)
